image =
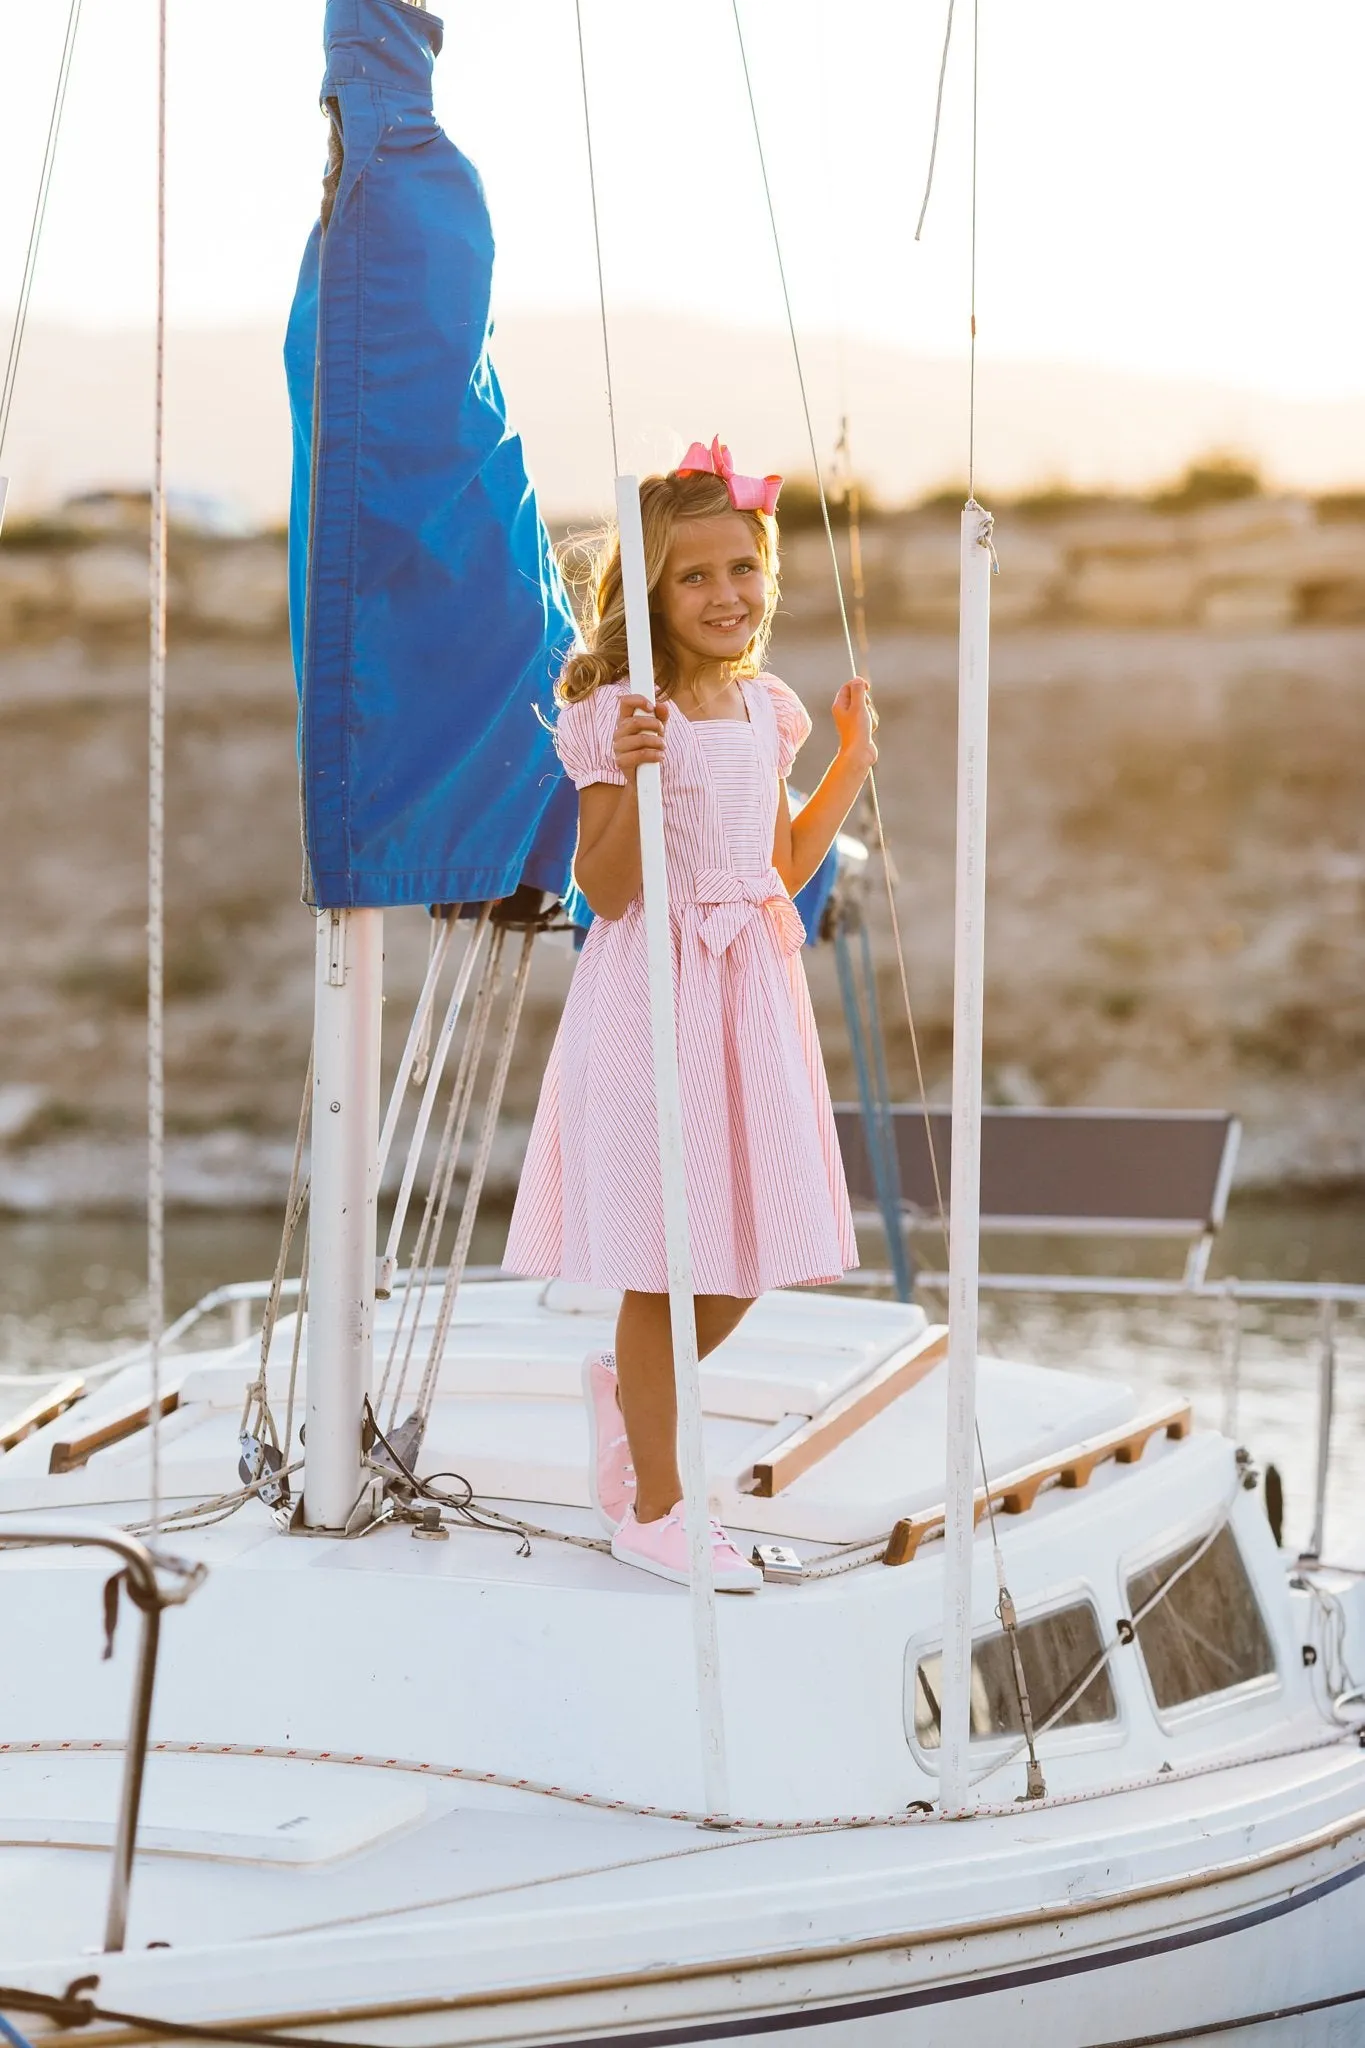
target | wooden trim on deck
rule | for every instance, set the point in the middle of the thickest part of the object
(39, 1413)
(844, 1417)
(72, 1452)
(1017, 1491)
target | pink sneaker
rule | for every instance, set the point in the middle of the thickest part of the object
(611, 1476)
(661, 1547)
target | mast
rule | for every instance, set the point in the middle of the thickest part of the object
(964, 1200)
(668, 1094)
(342, 1210)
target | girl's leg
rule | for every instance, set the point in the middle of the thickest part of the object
(644, 1373)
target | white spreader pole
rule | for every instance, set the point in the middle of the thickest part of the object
(682, 1308)
(347, 994)
(964, 1199)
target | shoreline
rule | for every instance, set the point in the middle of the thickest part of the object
(231, 1171)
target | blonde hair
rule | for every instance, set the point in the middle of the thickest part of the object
(664, 502)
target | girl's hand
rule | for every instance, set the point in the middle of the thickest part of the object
(855, 721)
(639, 735)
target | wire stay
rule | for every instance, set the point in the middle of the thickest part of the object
(938, 117)
(597, 236)
(35, 233)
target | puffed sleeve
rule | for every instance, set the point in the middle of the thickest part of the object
(583, 733)
(793, 722)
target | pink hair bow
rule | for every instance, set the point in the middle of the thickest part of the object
(747, 493)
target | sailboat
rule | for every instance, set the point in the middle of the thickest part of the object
(1031, 1729)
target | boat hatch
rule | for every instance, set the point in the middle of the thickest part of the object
(233, 1809)
(794, 1353)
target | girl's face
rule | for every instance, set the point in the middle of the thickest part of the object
(713, 592)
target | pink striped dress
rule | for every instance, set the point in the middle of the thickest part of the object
(767, 1202)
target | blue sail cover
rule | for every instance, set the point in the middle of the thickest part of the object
(428, 616)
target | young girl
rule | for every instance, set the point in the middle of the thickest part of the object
(767, 1204)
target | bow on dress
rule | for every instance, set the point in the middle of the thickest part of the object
(729, 901)
(747, 493)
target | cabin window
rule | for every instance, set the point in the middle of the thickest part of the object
(1207, 1635)
(1056, 1650)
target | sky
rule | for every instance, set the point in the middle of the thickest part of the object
(1174, 190)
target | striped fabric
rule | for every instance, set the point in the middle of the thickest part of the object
(765, 1185)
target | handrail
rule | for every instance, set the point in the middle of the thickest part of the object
(848, 1413)
(50, 1405)
(149, 1594)
(1015, 1492)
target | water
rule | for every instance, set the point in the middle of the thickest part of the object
(71, 1292)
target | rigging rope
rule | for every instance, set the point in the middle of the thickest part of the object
(35, 233)
(257, 1420)
(1005, 1609)
(156, 824)
(888, 869)
(597, 236)
(843, 452)
(422, 1262)
(971, 379)
(454, 1005)
(478, 1170)
(938, 117)
(300, 1313)
(417, 1050)
(796, 346)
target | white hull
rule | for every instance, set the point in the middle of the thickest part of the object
(1078, 1975)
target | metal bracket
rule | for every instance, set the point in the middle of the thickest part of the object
(336, 948)
(779, 1564)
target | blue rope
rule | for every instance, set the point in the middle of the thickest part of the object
(12, 2035)
(875, 1121)
(901, 1262)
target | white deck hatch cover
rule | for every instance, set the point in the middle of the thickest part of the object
(793, 1354)
(236, 1809)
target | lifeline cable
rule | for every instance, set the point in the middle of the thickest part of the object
(917, 1813)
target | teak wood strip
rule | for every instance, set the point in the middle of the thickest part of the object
(71, 1454)
(1017, 1491)
(39, 1413)
(846, 1416)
